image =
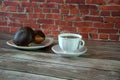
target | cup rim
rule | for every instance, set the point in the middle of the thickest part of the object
(67, 34)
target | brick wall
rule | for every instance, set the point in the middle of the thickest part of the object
(93, 19)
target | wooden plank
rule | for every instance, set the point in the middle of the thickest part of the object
(108, 51)
(101, 62)
(66, 71)
(14, 75)
(101, 50)
(6, 36)
(96, 52)
(47, 57)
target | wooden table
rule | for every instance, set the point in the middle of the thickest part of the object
(101, 62)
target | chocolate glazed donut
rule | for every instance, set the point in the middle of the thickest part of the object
(24, 36)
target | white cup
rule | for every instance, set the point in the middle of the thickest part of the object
(70, 42)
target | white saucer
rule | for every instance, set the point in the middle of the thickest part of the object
(58, 51)
(48, 41)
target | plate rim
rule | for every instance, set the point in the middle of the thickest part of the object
(69, 55)
(31, 47)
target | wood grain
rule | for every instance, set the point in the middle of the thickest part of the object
(15, 75)
(58, 70)
(101, 62)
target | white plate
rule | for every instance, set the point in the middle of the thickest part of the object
(58, 51)
(45, 43)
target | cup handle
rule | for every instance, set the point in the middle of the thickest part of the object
(81, 44)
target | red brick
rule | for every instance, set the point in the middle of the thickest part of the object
(19, 0)
(32, 25)
(67, 6)
(93, 36)
(11, 19)
(84, 35)
(114, 2)
(20, 9)
(116, 13)
(105, 13)
(65, 23)
(38, 10)
(25, 20)
(86, 30)
(74, 11)
(67, 29)
(8, 3)
(100, 25)
(13, 29)
(73, 6)
(15, 25)
(63, 6)
(114, 37)
(55, 10)
(53, 16)
(49, 5)
(3, 8)
(103, 36)
(35, 26)
(28, 4)
(37, 0)
(45, 21)
(40, 15)
(84, 12)
(17, 15)
(46, 10)
(36, 15)
(0, 29)
(59, 22)
(64, 11)
(72, 18)
(99, 2)
(109, 7)
(117, 25)
(12, 9)
(3, 23)
(6, 29)
(55, 33)
(47, 32)
(112, 19)
(1, 18)
(4, 14)
(83, 24)
(49, 27)
(76, 1)
(57, 1)
(0, 2)
(94, 12)
(88, 7)
(91, 18)
(110, 31)
(29, 10)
